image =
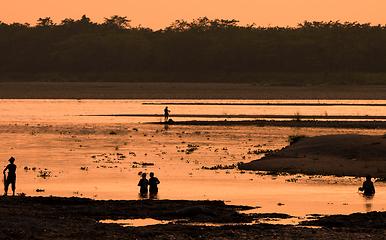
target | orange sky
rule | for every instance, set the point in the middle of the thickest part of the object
(158, 14)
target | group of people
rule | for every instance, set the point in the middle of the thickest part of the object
(150, 185)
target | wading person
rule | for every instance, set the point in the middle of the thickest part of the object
(368, 186)
(153, 182)
(166, 111)
(143, 183)
(11, 179)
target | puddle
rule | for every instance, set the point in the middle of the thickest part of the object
(136, 222)
(150, 221)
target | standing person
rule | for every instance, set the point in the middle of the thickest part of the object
(153, 182)
(11, 179)
(167, 111)
(143, 183)
(368, 186)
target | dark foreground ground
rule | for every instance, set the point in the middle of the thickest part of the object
(77, 218)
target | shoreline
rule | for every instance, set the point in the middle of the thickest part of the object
(278, 123)
(168, 90)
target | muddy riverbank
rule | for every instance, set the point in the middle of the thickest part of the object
(78, 218)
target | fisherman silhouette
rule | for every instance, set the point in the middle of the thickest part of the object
(367, 187)
(166, 111)
(153, 182)
(11, 179)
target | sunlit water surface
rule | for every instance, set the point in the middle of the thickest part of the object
(81, 154)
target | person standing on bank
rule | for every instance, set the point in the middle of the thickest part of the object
(153, 182)
(11, 179)
(166, 111)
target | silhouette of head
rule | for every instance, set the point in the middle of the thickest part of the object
(151, 174)
(143, 175)
(11, 160)
(368, 177)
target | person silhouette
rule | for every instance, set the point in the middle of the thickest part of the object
(143, 183)
(11, 179)
(166, 111)
(368, 186)
(153, 182)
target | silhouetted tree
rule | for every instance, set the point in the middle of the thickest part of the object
(202, 45)
(45, 22)
(117, 22)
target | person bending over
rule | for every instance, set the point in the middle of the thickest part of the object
(368, 186)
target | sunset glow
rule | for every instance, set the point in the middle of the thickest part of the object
(158, 14)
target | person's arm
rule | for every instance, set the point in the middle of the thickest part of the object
(5, 169)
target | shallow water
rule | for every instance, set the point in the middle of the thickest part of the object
(80, 111)
(80, 155)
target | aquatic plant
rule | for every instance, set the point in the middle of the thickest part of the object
(233, 166)
(191, 148)
(44, 174)
(261, 151)
(143, 163)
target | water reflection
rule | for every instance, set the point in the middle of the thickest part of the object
(136, 222)
(368, 199)
(142, 196)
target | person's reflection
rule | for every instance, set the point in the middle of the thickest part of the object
(368, 199)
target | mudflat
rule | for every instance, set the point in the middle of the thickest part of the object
(342, 155)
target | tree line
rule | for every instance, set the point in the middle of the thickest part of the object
(203, 45)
